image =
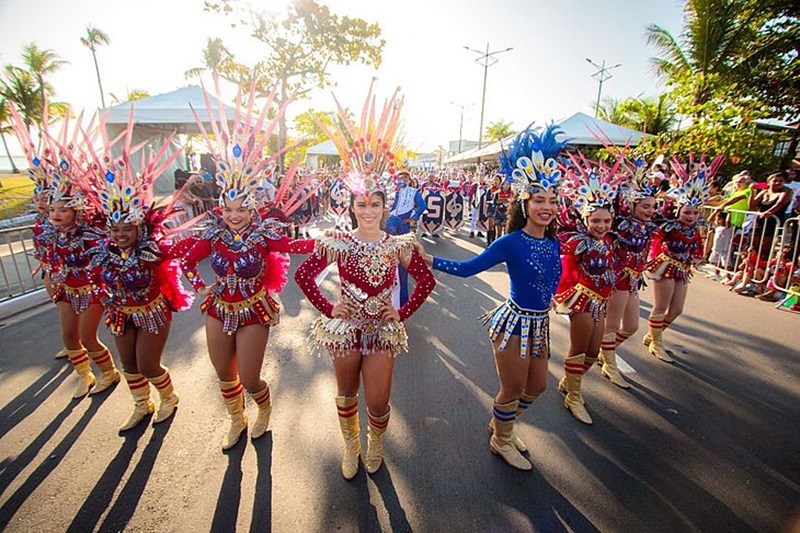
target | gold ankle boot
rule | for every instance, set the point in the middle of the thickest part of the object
(501, 442)
(609, 358)
(142, 406)
(656, 347)
(233, 394)
(347, 409)
(573, 401)
(80, 360)
(166, 392)
(525, 401)
(377, 427)
(264, 403)
(108, 372)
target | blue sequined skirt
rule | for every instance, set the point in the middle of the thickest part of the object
(532, 327)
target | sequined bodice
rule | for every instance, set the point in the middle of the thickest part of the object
(679, 241)
(633, 236)
(247, 265)
(238, 263)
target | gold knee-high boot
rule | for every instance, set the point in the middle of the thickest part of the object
(233, 394)
(142, 406)
(347, 409)
(574, 368)
(608, 357)
(377, 427)
(264, 403)
(80, 361)
(166, 392)
(656, 347)
(108, 372)
(501, 442)
(525, 401)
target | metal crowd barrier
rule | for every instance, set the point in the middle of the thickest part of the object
(17, 263)
(741, 241)
(791, 238)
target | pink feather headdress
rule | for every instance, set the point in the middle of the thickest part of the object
(59, 164)
(591, 185)
(120, 192)
(695, 180)
(239, 152)
(371, 154)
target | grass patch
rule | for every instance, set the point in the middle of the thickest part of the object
(15, 195)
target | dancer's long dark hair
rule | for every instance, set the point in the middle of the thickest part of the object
(517, 220)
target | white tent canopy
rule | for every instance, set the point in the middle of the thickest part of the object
(580, 130)
(156, 117)
(323, 148)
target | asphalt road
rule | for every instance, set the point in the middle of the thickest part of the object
(707, 444)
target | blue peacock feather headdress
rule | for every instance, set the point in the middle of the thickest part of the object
(531, 161)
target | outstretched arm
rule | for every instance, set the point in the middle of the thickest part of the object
(190, 252)
(425, 283)
(291, 246)
(490, 257)
(305, 277)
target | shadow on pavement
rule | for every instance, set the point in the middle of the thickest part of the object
(27, 401)
(100, 497)
(128, 499)
(35, 479)
(261, 520)
(230, 493)
(397, 515)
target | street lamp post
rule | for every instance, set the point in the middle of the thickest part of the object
(460, 123)
(486, 60)
(601, 75)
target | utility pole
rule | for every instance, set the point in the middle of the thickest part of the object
(486, 60)
(601, 76)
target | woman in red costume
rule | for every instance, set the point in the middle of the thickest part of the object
(632, 230)
(587, 279)
(362, 331)
(677, 246)
(74, 285)
(143, 288)
(42, 228)
(244, 250)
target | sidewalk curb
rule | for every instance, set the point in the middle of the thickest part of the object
(22, 303)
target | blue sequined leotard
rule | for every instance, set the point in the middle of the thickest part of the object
(534, 270)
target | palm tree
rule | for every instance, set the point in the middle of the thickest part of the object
(5, 127)
(131, 96)
(498, 130)
(20, 88)
(714, 35)
(96, 37)
(215, 58)
(643, 114)
(41, 63)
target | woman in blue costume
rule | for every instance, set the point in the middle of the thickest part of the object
(520, 327)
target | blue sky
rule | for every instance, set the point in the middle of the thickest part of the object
(546, 76)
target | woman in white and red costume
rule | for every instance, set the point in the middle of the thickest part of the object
(246, 253)
(677, 246)
(632, 230)
(362, 331)
(74, 284)
(587, 279)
